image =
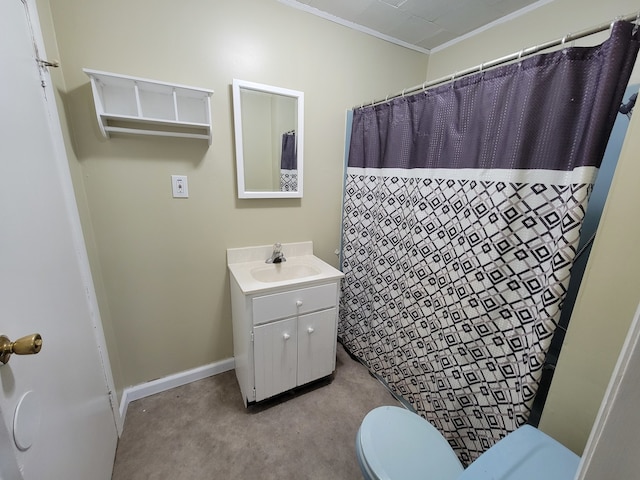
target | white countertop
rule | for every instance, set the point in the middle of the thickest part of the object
(253, 274)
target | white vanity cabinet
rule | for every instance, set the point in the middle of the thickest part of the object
(284, 339)
(285, 318)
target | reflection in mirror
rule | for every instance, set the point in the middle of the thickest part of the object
(269, 140)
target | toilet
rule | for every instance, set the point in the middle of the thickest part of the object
(395, 443)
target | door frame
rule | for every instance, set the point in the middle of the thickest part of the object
(616, 424)
(59, 155)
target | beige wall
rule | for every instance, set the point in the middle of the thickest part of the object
(610, 289)
(159, 263)
(605, 306)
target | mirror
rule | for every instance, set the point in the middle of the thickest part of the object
(269, 140)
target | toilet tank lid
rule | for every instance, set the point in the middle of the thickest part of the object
(525, 454)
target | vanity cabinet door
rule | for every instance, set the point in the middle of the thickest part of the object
(275, 357)
(316, 345)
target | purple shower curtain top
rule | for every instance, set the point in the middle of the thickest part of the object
(548, 112)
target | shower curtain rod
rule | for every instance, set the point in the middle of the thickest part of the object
(507, 58)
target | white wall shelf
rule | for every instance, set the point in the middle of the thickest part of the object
(132, 105)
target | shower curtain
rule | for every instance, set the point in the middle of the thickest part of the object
(461, 218)
(289, 163)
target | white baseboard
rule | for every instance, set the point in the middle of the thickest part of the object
(137, 392)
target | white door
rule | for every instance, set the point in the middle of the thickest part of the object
(54, 406)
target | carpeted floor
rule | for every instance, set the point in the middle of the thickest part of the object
(203, 431)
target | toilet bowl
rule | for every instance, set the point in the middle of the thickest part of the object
(396, 444)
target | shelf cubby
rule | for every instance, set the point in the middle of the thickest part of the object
(139, 106)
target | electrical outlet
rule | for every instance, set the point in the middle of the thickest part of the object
(179, 186)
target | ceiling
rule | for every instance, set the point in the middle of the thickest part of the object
(422, 25)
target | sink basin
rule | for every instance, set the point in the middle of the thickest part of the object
(252, 275)
(279, 272)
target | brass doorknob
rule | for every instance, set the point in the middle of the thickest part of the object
(29, 345)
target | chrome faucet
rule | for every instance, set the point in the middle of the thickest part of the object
(277, 256)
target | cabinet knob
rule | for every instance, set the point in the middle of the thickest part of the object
(298, 303)
(286, 336)
(310, 330)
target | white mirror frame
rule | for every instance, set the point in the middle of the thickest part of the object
(240, 161)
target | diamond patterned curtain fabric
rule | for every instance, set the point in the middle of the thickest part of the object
(462, 213)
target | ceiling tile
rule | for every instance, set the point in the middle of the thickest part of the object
(383, 18)
(506, 7)
(415, 29)
(349, 10)
(467, 16)
(394, 3)
(429, 10)
(419, 24)
(443, 36)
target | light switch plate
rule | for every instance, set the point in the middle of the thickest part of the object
(179, 186)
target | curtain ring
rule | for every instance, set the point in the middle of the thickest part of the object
(453, 79)
(403, 90)
(518, 62)
(564, 40)
(613, 22)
